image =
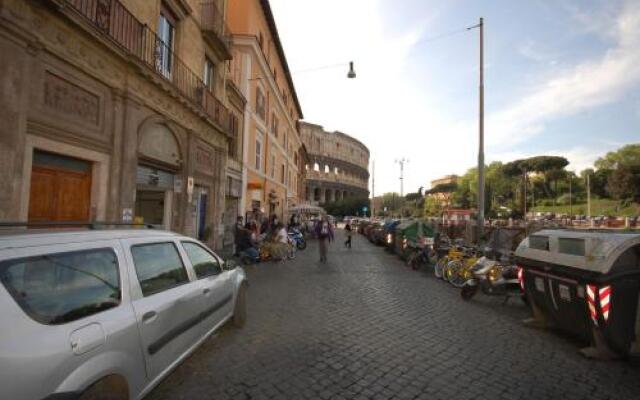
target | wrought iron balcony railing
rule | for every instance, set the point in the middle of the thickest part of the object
(111, 18)
(212, 20)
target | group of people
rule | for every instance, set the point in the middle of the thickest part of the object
(273, 234)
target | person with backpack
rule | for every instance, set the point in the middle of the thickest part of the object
(324, 233)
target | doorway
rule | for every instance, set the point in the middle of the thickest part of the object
(60, 188)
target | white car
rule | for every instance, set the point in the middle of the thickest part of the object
(107, 313)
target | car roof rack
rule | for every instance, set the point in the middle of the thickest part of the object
(82, 224)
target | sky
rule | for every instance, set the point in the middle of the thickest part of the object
(561, 78)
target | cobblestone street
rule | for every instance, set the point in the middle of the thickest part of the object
(365, 326)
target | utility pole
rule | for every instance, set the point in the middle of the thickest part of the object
(524, 200)
(588, 199)
(481, 134)
(570, 200)
(402, 161)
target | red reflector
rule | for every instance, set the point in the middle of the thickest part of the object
(592, 290)
(605, 301)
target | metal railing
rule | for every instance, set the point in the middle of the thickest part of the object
(212, 20)
(112, 18)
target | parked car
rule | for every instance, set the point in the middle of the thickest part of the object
(107, 313)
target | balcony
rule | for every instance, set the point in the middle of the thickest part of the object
(112, 19)
(215, 30)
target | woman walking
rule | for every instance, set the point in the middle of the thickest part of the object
(324, 233)
(348, 231)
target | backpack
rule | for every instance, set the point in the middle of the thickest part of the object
(324, 230)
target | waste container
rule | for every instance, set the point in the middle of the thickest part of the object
(412, 235)
(389, 232)
(585, 283)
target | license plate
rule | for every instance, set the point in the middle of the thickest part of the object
(565, 294)
(539, 284)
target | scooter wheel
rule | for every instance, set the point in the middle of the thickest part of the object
(301, 245)
(468, 291)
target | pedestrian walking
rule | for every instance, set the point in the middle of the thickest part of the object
(348, 231)
(324, 233)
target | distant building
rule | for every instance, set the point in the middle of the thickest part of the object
(445, 180)
(338, 165)
(443, 197)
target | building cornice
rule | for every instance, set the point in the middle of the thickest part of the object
(266, 7)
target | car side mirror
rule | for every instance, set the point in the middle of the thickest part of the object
(230, 264)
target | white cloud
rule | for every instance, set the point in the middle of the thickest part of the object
(579, 88)
(385, 109)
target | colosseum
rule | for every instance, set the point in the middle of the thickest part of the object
(338, 165)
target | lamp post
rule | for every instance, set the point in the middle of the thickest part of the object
(402, 162)
(481, 133)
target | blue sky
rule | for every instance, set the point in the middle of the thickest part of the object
(561, 78)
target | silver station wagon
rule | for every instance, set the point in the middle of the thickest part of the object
(107, 314)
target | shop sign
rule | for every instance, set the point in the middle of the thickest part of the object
(127, 215)
(177, 185)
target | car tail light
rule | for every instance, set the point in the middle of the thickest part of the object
(521, 277)
(599, 301)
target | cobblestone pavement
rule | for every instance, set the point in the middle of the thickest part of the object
(365, 326)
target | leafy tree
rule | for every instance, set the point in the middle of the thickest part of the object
(628, 156)
(597, 180)
(348, 206)
(623, 183)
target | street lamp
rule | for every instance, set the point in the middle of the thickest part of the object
(402, 162)
(481, 134)
(351, 74)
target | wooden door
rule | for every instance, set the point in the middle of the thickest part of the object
(58, 194)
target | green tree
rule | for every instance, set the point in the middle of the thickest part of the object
(622, 183)
(628, 156)
(348, 206)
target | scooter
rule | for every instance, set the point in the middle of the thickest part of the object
(494, 279)
(298, 238)
(422, 256)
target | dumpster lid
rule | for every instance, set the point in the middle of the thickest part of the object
(587, 250)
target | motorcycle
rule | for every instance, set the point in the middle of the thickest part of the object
(422, 256)
(297, 238)
(494, 279)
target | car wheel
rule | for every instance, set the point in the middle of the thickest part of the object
(240, 309)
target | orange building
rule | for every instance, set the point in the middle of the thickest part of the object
(272, 147)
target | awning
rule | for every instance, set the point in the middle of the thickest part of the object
(306, 209)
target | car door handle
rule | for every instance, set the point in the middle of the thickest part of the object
(149, 316)
(206, 291)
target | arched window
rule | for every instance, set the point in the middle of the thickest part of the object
(316, 167)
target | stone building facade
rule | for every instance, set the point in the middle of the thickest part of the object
(338, 165)
(115, 111)
(272, 167)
